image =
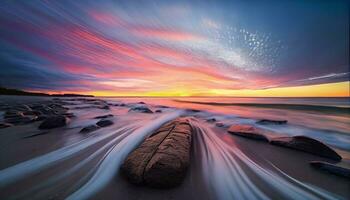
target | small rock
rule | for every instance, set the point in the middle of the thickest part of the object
(307, 144)
(158, 111)
(268, 121)
(141, 102)
(122, 104)
(13, 114)
(41, 117)
(106, 107)
(84, 107)
(220, 124)
(5, 125)
(89, 128)
(161, 106)
(53, 122)
(248, 131)
(69, 115)
(141, 109)
(32, 112)
(21, 120)
(104, 123)
(211, 120)
(331, 168)
(103, 116)
(193, 110)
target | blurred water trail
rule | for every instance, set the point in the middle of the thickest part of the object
(111, 163)
(223, 169)
(21, 170)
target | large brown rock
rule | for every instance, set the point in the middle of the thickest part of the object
(53, 122)
(307, 144)
(248, 131)
(163, 158)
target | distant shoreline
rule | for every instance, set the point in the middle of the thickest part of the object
(15, 92)
(316, 108)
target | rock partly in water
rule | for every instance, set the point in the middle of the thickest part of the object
(162, 160)
(211, 120)
(89, 128)
(331, 168)
(269, 121)
(248, 131)
(307, 144)
(158, 111)
(5, 125)
(20, 120)
(69, 115)
(193, 110)
(53, 122)
(104, 116)
(32, 112)
(104, 123)
(105, 107)
(13, 114)
(220, 124)
(141, 109)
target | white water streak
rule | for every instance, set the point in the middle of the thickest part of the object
(229, 180)
(21, 170)
(110, 166)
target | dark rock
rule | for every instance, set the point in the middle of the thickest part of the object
(103, 116)
(89, 128)
(193, 110)
(122, 104)
(141, 102)
(21, 120)
(53, 122)
(13, 114)
(211, 120)
(162, 160)
(158, 111)
(307, 144)
(104, 123)
(84, 107)
(69, 115)
(268, 121)
(141, 109)
(331, 168)
(106, 107)
(248, 131)
(220, 124)
(32, 112)
(5, 125)
(41, 117)
(161, 106)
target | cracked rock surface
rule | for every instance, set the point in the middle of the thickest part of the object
(163, 158)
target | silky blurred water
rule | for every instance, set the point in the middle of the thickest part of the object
(72, 165)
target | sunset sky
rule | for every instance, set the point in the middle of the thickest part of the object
(176, 48)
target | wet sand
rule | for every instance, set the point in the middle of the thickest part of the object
(63, 163)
